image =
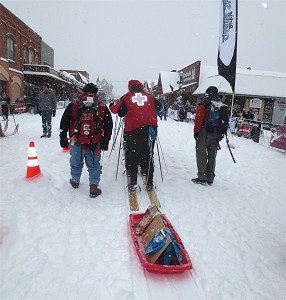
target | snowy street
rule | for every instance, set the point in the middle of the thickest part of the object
(56, 243)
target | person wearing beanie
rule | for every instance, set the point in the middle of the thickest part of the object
(47, 104)
(139, 110)
(89, 124)
(206, 149)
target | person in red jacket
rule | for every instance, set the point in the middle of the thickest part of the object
(140, 111)
(206, 149)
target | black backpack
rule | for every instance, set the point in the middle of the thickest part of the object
(218, 118)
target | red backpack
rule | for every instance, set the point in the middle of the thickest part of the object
(87, 127)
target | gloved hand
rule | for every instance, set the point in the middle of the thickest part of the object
(53, 113)
(40, 112)
(103, 145)
(64, 140)
(196, 136)
(111, 104)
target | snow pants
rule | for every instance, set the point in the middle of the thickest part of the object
(79, 155)
(140, 152)
(47, 122)
(206, 152)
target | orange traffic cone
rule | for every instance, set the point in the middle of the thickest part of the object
(68, 148)
(33, 168)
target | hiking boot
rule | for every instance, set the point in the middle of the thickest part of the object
(94, 191)
(44, 135)
(210, 183)
(199, 181)
(74, 184)
(149, 187)
(132, 187)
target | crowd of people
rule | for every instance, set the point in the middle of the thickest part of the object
(86, 128)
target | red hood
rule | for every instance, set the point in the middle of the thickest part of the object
(134, 81)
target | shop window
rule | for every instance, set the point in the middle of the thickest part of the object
(31, 56)
(25, 58)
(10, 48)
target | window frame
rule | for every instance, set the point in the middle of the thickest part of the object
(10, 48)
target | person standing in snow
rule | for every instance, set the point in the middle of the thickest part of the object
(140, 111)
(89, 124)
(206, 149)
(5, 101)
(47, 104)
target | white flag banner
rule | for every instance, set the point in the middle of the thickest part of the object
(228, 41)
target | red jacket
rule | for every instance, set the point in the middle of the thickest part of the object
(202, 115)
(114, 108)
(141, 110)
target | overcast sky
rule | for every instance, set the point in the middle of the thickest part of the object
(136, 39)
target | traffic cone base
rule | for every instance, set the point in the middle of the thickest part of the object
(33, 168)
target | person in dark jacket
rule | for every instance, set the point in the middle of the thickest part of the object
(5, 102)
(89, 124)
(206, 149)
(47, 105)
(140, 111)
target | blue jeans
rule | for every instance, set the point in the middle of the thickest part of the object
(92, 161)
(47, 121)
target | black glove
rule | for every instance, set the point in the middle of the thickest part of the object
(103, 145)
(40, 112)
(64, 140)
(196, 136)
(111, 104)
(220, 136)
(53, 113)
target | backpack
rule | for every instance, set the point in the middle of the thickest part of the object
(218, 119)
(88, 125)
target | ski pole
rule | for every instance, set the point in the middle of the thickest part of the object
(115, 127)
(118, 156)
(159, 161)
(113, 145)
(162, 153)
(229, 148)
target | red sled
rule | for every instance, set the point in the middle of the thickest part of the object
(152, 263)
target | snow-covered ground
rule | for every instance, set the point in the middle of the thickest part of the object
(57, 243)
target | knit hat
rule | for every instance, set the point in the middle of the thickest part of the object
(212, 91)
(90, 88)
(135, 83)
(47, 85)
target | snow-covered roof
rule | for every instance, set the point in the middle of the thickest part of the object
(248, 82)
(169, 79)
(83, 78)
(68, 75)
(43, 74)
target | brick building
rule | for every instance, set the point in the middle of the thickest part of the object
(19, 45)
(26, 62)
